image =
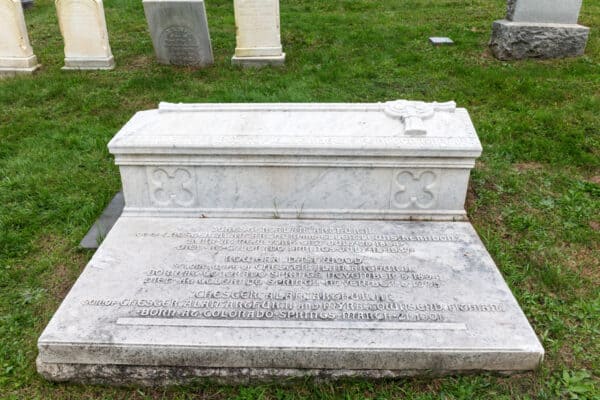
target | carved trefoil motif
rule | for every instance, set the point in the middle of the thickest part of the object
(171, 186)
(414, 189)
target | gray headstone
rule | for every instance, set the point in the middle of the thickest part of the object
(546, 11)
(179, 30)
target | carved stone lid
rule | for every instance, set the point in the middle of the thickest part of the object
(395, 128)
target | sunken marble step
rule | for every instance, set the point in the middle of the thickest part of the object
(395, 160)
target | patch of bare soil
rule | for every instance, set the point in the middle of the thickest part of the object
(531, 166)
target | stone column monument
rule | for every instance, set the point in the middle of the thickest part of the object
(257, 33)
(83, 28)
(539, 29)
(16, 54)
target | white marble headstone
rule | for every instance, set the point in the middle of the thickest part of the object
(258, 33)
(16, 54)
(83, 28)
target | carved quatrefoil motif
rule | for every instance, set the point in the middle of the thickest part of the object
(172, 186)
(414, 189)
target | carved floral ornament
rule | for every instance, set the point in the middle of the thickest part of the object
(172, 186)
(414, 189)
(413, 113)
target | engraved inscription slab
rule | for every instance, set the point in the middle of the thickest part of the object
(212, 295)
(179, 31)
(183, 48)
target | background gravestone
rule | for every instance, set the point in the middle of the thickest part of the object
(179, 31)
(539, 29)
(257, 33)
(83, 28)
(16, 54)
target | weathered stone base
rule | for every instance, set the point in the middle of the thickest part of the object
(11, 66)
(145, 375)
(8, 72)
(255, 62)
(89, 63)
(521, 40)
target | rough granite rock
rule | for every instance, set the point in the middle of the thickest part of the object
(519, 40)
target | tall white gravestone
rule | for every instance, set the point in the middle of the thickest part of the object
(83, 27)
(257, 33)
(16, 54)
(539, 29)
(179, 30)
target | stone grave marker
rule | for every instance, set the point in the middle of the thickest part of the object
(539, 29)
(16, 54)
(179, 30)
(441, 41)
(257, 33)
(83, 27)
(287, 240)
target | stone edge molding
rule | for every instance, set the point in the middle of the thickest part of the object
(153, 376)
(409, 174)
(18, 64)
(104, 59)
(257, 62)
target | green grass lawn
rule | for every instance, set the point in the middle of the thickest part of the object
(534, 197)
